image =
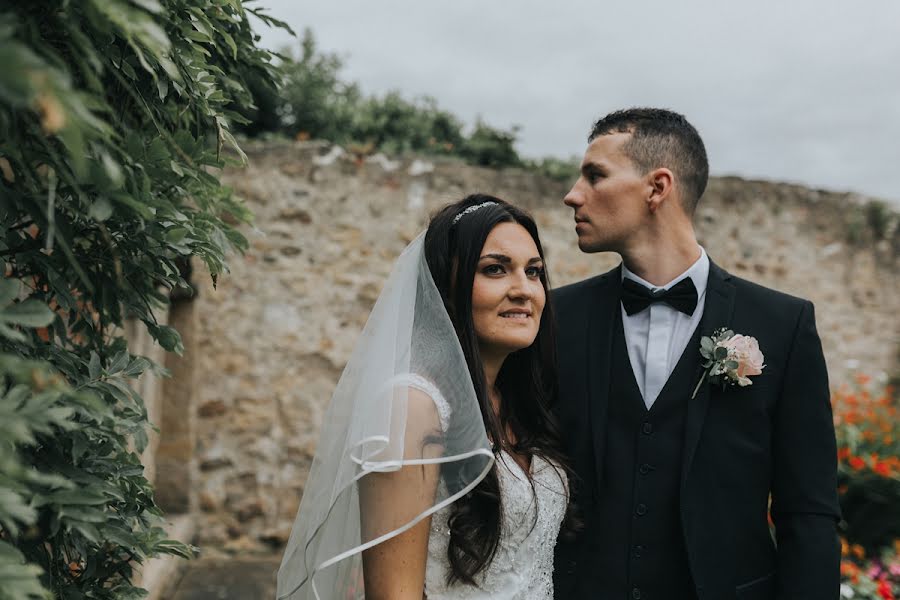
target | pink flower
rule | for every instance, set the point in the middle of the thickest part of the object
(744, 350)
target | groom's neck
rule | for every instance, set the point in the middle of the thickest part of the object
(661, 256)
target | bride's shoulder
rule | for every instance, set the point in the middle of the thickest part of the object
(424, 395)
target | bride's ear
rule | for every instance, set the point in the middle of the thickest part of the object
(661, 182)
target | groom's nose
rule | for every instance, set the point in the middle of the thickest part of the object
(573, 199)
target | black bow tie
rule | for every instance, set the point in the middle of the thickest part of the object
(682, 296)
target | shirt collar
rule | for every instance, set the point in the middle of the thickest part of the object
(698, 272)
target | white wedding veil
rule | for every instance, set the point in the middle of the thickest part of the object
(404, 400)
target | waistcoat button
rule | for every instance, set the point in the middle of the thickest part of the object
(647, 428)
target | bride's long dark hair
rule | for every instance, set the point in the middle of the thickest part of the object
(527, 382)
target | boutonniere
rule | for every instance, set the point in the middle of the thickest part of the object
(729, 359)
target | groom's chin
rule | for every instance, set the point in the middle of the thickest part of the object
(589, 247)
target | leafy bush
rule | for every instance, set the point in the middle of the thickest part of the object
(556, 168)
(316, 103)
(113, 116)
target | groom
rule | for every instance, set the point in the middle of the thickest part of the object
(673, 485)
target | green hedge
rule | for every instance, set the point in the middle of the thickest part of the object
(113, 116)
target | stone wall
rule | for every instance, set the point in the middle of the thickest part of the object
(271, 341)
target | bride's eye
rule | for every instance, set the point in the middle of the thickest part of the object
(536, 272)
(494, 269)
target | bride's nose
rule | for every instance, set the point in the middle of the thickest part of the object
(520, 287)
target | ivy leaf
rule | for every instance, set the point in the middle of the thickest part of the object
(9, 290)
(30, 313)
(167, 337)
(94, 368)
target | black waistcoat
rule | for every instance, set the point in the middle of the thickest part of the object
(642, 555)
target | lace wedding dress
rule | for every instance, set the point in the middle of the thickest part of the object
(522, 568)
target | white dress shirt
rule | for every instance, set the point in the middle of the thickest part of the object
(657, 336)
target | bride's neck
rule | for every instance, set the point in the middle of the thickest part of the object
(491, 367)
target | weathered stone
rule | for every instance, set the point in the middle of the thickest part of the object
(248, 510)
(208, 502)
(213, 408)
(244, 545)
(276, 538)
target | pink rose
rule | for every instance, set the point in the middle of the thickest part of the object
(744, 350)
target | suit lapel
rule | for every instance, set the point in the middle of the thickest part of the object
(716, 313)
(601, 328)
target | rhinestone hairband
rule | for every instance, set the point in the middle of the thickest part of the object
(472, 209)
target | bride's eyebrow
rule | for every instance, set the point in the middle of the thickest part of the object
(505, 259)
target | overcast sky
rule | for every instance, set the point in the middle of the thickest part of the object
(804, 91)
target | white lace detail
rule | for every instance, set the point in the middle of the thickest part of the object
(422, 384)
(522, 569)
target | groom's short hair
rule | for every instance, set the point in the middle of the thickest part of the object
(661, 138)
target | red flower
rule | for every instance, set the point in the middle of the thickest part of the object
(884, 590)
(857, 463)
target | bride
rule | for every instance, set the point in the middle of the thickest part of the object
(439, 472)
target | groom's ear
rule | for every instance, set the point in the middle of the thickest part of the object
(661, 182)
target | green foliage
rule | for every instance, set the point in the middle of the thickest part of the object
(879, 218)
(113, 116)
(556, 168)
(314, 100)
(316, 103)
(491, 147)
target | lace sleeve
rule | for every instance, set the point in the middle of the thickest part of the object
(425, 386)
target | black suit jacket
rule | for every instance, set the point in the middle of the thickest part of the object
(775, 437)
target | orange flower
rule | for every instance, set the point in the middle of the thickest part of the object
(858, 551)
(843, 453)
(850, 570)
(857, 463)
(883, 469)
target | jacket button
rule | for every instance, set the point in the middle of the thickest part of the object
(641, 510)
(645, 468)
(647, 428)
(636, 593)
(638, 551)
